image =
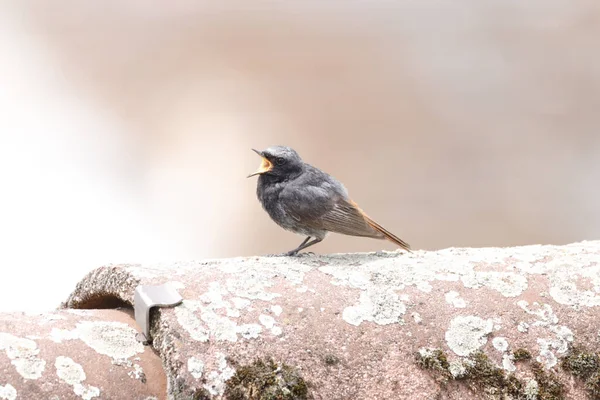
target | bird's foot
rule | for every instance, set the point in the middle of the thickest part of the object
(305, 254)
(292, 253)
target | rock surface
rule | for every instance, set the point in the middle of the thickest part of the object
(454, 323)
(76, 354)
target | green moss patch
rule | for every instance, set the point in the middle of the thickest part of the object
(584, 365)
(521, 355)
(482, 376)
(549, 386)
(331, 359)
(265, 379)
(434, 360)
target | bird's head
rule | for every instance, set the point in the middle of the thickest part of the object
(279, 161)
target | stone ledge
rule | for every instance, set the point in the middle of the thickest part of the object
(76, 354)
(364, 326)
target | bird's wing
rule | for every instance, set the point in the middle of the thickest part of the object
(323, 207)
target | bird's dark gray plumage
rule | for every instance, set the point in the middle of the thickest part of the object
(305, 200)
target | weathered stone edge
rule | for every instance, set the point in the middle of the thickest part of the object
(104, 287)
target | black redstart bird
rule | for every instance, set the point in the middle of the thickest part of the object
(307, 201)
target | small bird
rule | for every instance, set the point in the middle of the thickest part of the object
(305, 200)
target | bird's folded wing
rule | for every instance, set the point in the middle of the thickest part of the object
(319, 208)
(347, 219)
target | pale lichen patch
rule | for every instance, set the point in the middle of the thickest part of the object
(23, 354)
(523, 327)
(417, 317)
(277, 310)
(424, 286)
(454, 299)
(544, 313)
(457, 369)
(8, 392)
(269, 323)
(500, 344)
(73, 374)
(565, 292)
(547, 319)
(380, 307)
(137, 373)
(508, 284)
(252, 280)
(222, 328)
(215, 380)
(249, 331)
(58, 335)
(188, 321)
(210, 323)
(532, 389)
(508, 363)
(566, 270)
(195, 367)
(546, 357)
(240, 303)
(276, 331)
(113, 339)
(467, 334)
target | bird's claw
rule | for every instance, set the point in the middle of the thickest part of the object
(292, 253)
(297, 254)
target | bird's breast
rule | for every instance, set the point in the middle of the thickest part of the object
(268, 194)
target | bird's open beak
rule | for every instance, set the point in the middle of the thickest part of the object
(265, 166)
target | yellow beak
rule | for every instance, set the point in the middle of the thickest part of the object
(265, 165)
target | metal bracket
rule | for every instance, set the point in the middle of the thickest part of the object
(145, 298)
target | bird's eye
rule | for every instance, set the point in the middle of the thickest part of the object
(279, 161)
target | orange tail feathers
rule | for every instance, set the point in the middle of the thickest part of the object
(388, 235)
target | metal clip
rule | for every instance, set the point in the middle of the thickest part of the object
(147, 297)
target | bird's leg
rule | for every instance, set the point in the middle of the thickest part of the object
(297, 249)
(304, 245)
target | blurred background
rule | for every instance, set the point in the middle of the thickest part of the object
(126, 126)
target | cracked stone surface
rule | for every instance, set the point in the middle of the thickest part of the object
(372, 312)
(87, 354)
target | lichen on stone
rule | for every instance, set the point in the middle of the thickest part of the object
(468, 334)
(73, 374)
(453, 298)
(265, 379)
(23, 354)
(382, 307)
(8, 392)
(500, 344)
(195, 367)
(220, 374)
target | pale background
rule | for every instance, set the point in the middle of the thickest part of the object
(126, 126)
